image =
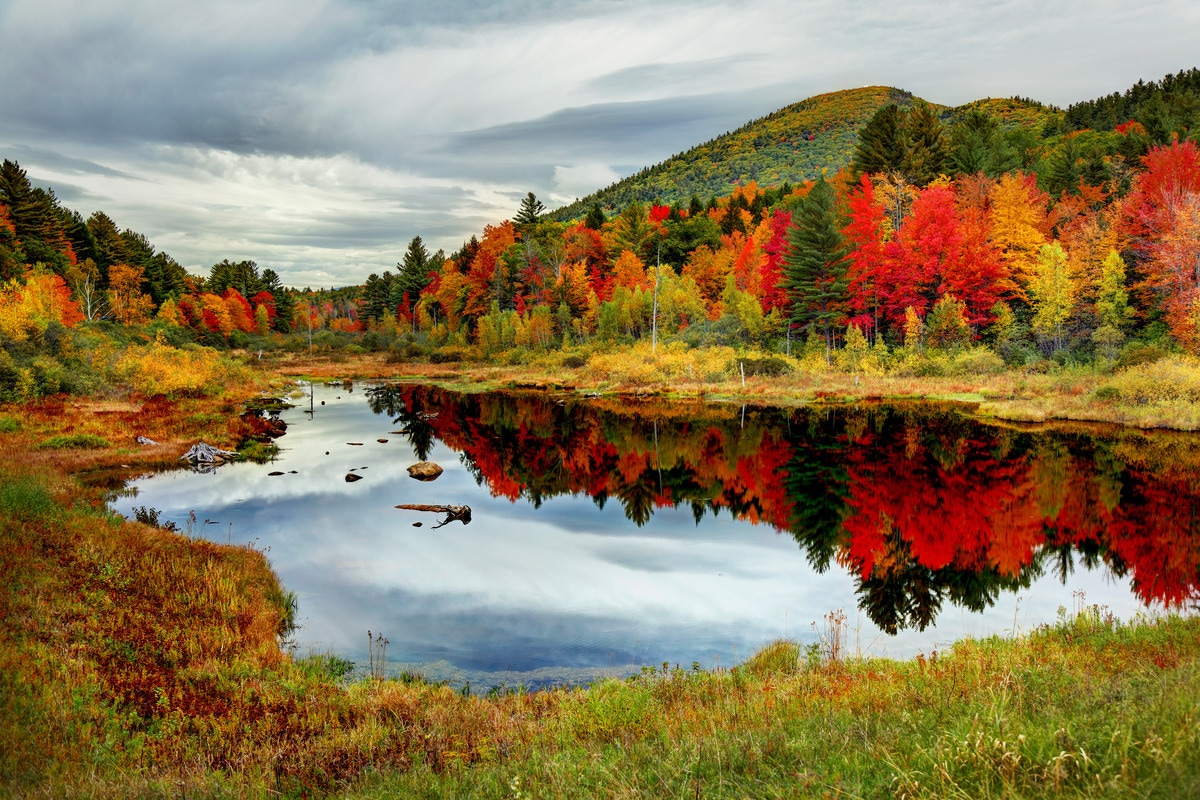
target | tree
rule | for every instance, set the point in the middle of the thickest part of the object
(595, 218)
(36, 218)
(631, 230)
(11, 256)
(880, 148)
(528, 214)
(414, 271)
(241, 275)
(84, 280)
(1019, 225)
(130, 306)
(815, 267)
(1113, 312)
(1053, 296)
(926, 154)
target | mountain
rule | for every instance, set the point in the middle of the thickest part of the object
(794, 144)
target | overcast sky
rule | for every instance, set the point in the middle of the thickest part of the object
(317, 137)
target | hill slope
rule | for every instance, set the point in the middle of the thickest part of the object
(794, 144)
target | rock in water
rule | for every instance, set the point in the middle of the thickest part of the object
(424, 470)
(352, 477)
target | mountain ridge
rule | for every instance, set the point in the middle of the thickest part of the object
(792, 144)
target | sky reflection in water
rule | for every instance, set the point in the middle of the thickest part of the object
(564, 591)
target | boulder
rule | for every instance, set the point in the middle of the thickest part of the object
(424, 470)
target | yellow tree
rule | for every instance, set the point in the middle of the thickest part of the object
(129, 305)
(1019, 225)
(1112, 306)
(1052, 295)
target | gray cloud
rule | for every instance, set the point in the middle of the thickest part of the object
(321, 135)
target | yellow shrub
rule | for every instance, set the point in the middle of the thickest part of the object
(1173, 379)
(162, 369)
(670, 362)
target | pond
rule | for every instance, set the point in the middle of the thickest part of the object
(607, 534)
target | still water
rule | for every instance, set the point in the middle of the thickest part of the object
(607, 534)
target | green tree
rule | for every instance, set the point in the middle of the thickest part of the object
(595, 218)
(285, 302)
(814, 274)
(240, 275)
(529, 213)
(631, 230)
(880, 147)
(414, 272)
(926, 152)
(36, 218)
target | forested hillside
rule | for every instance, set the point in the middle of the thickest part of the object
(792, 145)
(877, 228)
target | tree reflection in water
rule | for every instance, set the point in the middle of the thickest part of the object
(920, 503)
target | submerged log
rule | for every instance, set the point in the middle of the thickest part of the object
(460, 513)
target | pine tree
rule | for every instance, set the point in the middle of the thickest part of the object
(414, 273)
(529, 213)
(594, 218)
(880, 147)
(926, 152)
(816, 262)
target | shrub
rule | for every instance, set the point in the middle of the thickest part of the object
(75, 441)
(446, 355)
(977, 361)
(575, 361)
(1173, 379)
(1135, 354)
(9, 425)
(162, 369)
(767, 365)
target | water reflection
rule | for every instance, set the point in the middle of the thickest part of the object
(921, 504)
(610, 533)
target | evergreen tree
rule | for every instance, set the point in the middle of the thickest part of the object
(926, 154)
(110, 248)
(880, 147)
(36, 218)
(815, 266)
(375, 295)
(595, 218)
(285, 303)
(414, 273)
(242, 275)
(529, 213)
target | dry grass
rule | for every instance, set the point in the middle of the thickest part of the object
(136, 661)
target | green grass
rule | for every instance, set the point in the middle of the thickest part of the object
(9, 424)
(75, 441)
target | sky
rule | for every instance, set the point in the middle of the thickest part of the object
(318, 137)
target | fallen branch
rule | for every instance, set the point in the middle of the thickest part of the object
(460, 513)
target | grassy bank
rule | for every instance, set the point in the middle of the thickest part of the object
(136, 661)
(1164, 393)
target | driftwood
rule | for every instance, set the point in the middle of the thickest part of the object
(460, 513)
(201, 453)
